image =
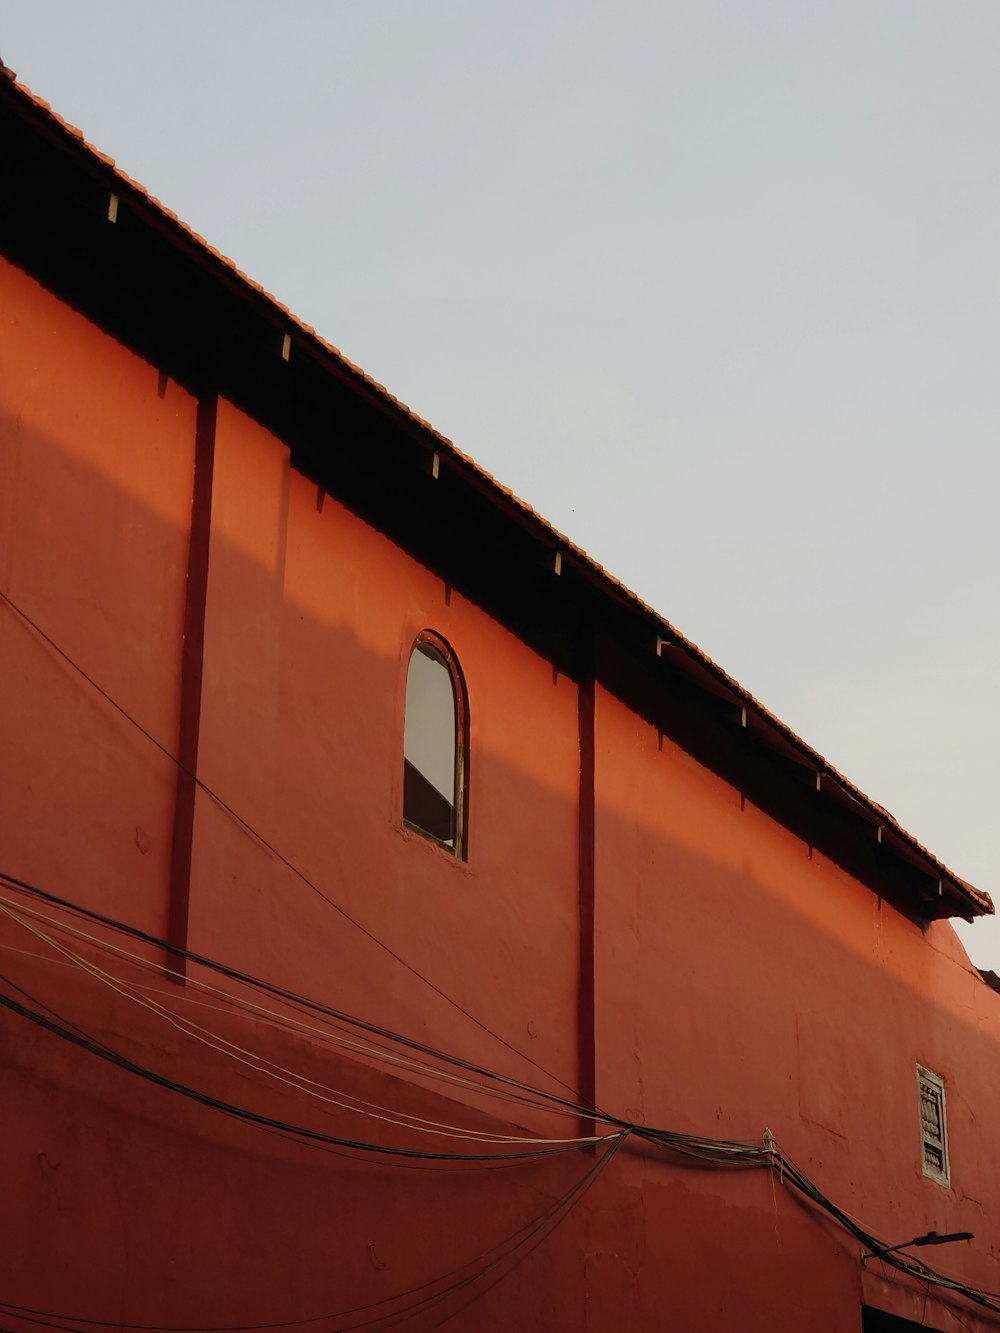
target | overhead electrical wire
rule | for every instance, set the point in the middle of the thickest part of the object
(705, 1150)
(437, 1289)
(537, 1232)
(273, 1018)
(913, 1267)
(720, 1152)
(269, 846)
(270, 1069)
(537, 1095)
(332, 1033)
(70, 959)
(584, 1185)
(58, 1027)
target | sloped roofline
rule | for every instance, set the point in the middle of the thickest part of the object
(954, 896)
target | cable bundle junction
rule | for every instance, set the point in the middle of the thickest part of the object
(63, 936)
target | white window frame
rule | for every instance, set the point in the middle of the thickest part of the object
(930, 1087)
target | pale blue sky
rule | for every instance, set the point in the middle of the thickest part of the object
(714, 286)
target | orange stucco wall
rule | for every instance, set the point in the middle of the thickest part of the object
(742, 982)
(95, 501)
(311, 618)
(745, 983)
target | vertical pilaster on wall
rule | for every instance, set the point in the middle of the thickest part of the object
(586, 998)
(192, 666)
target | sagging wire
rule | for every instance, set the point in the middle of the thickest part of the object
(717, 1152)
(269, 846)
(332, 1033)
(270, 1069)
(458, 1279)
(912, 1267)
(310, 1005)
(58, 1027)
(707, 1151)
(596, 1171)
(538, 1234)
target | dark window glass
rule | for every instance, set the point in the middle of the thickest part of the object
(432, 746)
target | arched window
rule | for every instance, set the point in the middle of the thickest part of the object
(434, 745)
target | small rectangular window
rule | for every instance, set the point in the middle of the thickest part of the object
(933, 1126)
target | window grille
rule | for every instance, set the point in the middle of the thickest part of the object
(933, 1126)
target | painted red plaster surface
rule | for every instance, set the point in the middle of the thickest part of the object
(95, 499)
(741, 984)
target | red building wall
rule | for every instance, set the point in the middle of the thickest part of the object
(96, 500)
(762, 986)
(741, 981)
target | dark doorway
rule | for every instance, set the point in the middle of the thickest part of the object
(877, 1321)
